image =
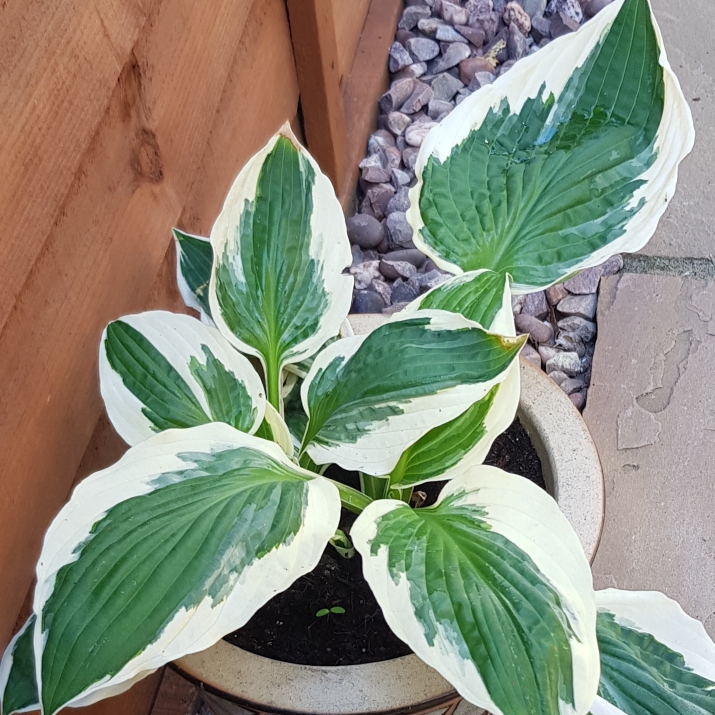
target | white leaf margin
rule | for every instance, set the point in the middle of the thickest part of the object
(378, 450)
(198, 629)
(674, 139)
(330, 248)
(178, 338)
(528, 517)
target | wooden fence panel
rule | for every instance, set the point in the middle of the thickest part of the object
(349, 19)
(59, 64)
(102, 257)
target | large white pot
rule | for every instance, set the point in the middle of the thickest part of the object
(237, 682)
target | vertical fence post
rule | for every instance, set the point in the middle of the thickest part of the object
(316, 57)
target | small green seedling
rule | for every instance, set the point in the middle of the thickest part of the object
(342, 544)
(326, 611)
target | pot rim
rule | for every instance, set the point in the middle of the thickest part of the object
(573, 475)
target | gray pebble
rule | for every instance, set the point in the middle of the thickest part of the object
(532, 326)
(516, 43)
(469, 67)
(540, 28)
(364, 273)
(438, 108)
(376, 200)
(481, 79)
(595, 6)
(375, 174)
(398, 93)
(517, 303)
(562, 24)
(399, 202)
(358, 255)
(401, 178)
(535, 304)
(580, 328)
(583, 306)
(429, 26)
(528, 353)
(534, 7)
(567, 362)
(409, 157)
(556, 293)
(399, 57)
(380, 139)
(431, 279)
(578, 399)
(365, 231)
(420, 97)
(399, 231)
(414, 71)
(455, 53)
(612, 265)
(402, 36)
(367, 301)
(475, 35)
(393, 157)
(394, 308)
(571, 344)
(547, 352)
(558, 377)
(412, 15)
(568, 8)
(392, 270)
(571, 385)
(585, 282)
(514, 13)
(383, 289)
(462, 95)
(397, 122)
(504, 67)
(407, 255)
(454, 14)
(403, 293)
(415, 133)
(422, 49)
(444, 87)
(446, 33)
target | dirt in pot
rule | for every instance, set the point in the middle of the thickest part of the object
(288, 627)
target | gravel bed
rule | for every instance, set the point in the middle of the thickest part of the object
(443, 51)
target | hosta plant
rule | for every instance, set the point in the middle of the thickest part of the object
(221, 502)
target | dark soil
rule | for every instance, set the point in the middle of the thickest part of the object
(287, 627)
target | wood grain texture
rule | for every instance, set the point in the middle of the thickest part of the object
(369, 79)
(176, 696)
(101, 259)
(59, 64)
(349, 19)
(318, 65)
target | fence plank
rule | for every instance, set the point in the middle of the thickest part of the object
(59, 64)
(103, 255)
(318, 65)
(349, 18)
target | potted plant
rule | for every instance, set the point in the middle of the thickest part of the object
(220, 503)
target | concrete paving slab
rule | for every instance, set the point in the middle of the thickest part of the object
(651, 412)
(688, 228)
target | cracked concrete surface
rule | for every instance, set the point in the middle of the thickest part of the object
(651, 411)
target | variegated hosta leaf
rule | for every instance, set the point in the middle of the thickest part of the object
(161, 370)
(275, 429)
(370, 397)
(167, 551)
(280, 245)
(447, 450)
(570, 157)
(655, 659)
(482, 296)
(194, 259)
(18, 683)
(492, 589)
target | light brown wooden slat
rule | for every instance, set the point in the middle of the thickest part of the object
(316, 58)
(349, 19)
(59, 64)
(101, 261)
(176, 696)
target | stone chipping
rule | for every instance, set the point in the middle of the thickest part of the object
(444, 50)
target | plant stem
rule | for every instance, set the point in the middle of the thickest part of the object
(351, 499)
(307, 463)
(273, 385)
(374, 487)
